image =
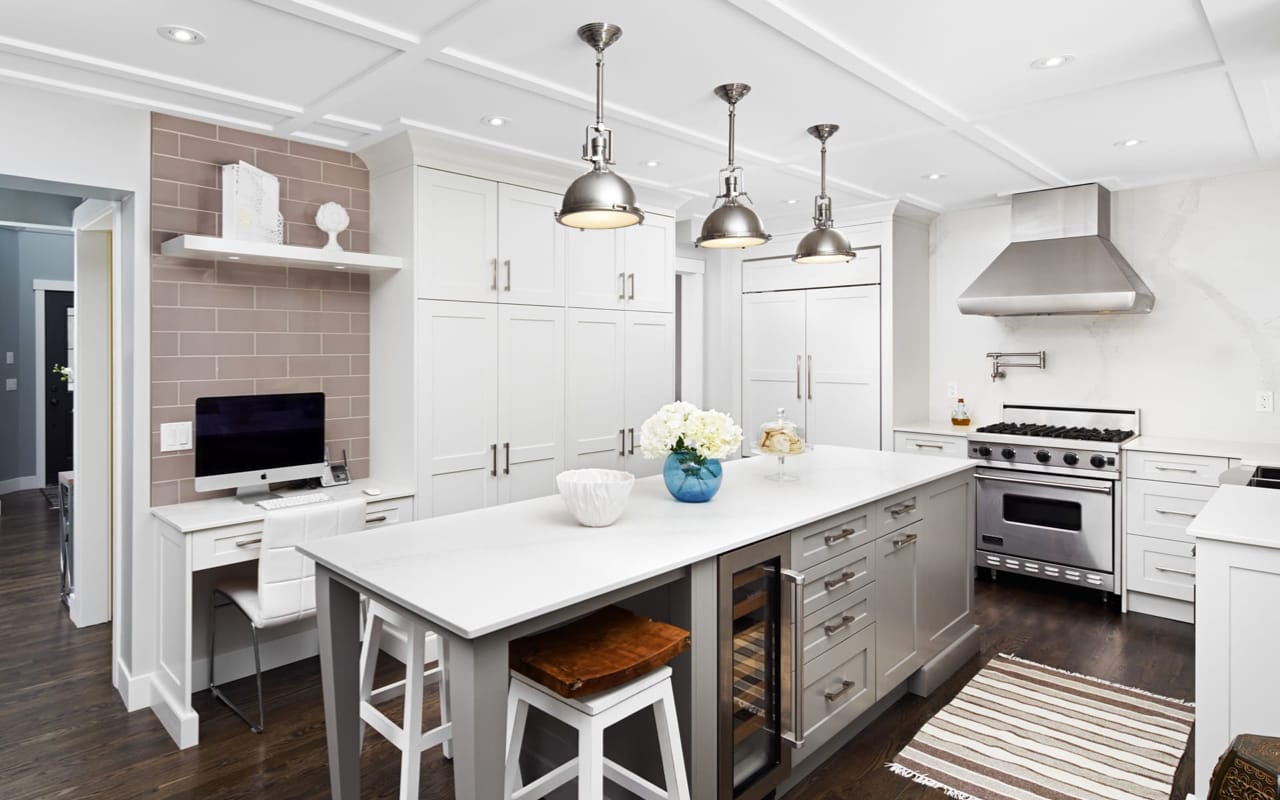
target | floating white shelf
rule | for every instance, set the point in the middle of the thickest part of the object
(209, 248)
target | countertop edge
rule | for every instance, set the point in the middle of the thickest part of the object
(253, 513)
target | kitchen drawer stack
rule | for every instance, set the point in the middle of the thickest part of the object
(1163, 493)
(882, 596)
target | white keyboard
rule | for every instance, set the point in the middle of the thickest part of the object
(289, 501)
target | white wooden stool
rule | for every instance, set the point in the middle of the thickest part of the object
(590, 716)
(409, 737)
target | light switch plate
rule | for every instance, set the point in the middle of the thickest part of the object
(8, 357)
(1265, 402)
(11, 384)
(175, 436)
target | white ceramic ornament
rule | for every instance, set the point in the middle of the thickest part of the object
(333, 220)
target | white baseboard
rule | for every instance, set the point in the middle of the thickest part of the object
(181, 723)
(135, 690)
(21, 484)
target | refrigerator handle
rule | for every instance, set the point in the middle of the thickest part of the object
(794, 642)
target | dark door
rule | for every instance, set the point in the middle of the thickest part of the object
(58, 394)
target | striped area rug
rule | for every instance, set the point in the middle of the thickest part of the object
(1023, 731)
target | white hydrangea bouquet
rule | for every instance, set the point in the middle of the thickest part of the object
(693, 442)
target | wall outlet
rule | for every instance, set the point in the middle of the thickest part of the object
(175, 436)
(11, 384)
(1265, 402)
(8, 357)
(953, 391)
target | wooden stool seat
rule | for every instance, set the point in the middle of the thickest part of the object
(1249, 769)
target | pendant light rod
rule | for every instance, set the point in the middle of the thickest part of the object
(731, 93)
(733, 112)
(599, 87)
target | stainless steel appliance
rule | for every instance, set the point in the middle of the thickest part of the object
(1048, 492)
(760, 617)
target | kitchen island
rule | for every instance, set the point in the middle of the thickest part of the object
(484, 577)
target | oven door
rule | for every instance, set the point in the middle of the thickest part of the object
(1060, 519)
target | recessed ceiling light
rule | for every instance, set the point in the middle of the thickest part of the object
(338, 266)
(934, 176)
(1130, 142)
(494, 121)
(181, 34)
(1052, 62)
(233, 258)
(652, 163)
(792, 201)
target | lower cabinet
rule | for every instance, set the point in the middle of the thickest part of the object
(839, 685)
(945, 600)
(897, 565)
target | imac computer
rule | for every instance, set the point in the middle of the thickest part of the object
(247, 442)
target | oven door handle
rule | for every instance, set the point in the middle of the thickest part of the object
(1046, 484)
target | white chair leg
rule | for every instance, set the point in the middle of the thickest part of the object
(591, 762)
(517, 715)
(664, 714)
(411, 757)
(369, 662)
(442, 652)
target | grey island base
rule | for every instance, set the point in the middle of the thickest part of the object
(879, 544)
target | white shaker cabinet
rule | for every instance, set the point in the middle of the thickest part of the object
(626, 269)
(531, 247)
(649, 378)
(530, 401)
(898, 647)
(592, 264)
(773, 330)
(945, 601)
(457, 236)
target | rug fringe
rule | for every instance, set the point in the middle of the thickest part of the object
(925, 780)
(1100, 681)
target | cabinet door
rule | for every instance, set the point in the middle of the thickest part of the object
(530, 247)
(458, 237)
(459, 391)
(649, 378)
(530, 400)
(945, 553)
(648, 259)
(897, 587)
(842, 366)
(594, 277)
(594, 388)
(772, 359)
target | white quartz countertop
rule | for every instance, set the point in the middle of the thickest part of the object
(204, 514)
(942, 427)
(1264, 453)
(1242, 514)
(481, 571)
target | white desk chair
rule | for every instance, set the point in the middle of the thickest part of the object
(285, 589)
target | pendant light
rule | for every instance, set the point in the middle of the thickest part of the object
(824, 244)
(599, 199)
(732, 224)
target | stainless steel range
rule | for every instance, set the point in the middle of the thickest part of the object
(1049, 492)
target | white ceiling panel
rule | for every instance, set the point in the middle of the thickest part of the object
(250, 48)
(974, 57)
(1190, 125)
(412, 18)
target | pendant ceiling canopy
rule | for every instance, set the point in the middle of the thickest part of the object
(599, 199)
(824, 244)
(732, 224)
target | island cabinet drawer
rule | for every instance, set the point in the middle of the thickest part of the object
(1162, 567)
(828, 538)
(828, 627)
(900, 511)
(1162, 509)
(1175, 467)
(831, 580)
(231, 544)
(930, 445)
(838, 686)
(387, 512)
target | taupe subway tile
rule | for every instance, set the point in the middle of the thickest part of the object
(164, 294)
(346, 176)
(232, 272)
(359, 365)
(310, 366)
(217, 344)
(356, 385)
(164, 318)
(183, 125)
(289, 385)
(299, 211)
(164, 143)
(164, 394)
(290, 299)
(164, 494)
(360, 199)
(253, 367)
(357, 302)
(214, 152)
(349, 428)
(183, 368)
(358, 242)
(359, 323)
(257, 141)
(319, 322)
(279, 164)
(200, 197)
(304, 235)
(189, 391)
(165, 414)
(168, 168)
(359, 406)
(337, 407)
(165, 193)
(165, 270)
(359, 468)
(320, 153)
(184, 220)
(317, 279)
(289, 344)
(164, 344)
(313, 192)
(346, 343)
(359, 447)
(238, 319)
(207, 295)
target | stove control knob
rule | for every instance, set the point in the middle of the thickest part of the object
(1008, 453)
(984, 451)
(1071, 459)
(1043, 456)
(1098, 461)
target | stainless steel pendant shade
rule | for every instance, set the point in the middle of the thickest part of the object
(824, 244)
(732, 224)
(599, 199)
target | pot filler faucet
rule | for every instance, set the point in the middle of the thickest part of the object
(999, 361)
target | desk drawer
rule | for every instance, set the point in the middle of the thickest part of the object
(813, 544)
(1175, 467)
(831, 580)
(1162, 509)
(930, 445)
(839, 686)
(230, 545)
(1161, 567)
(899, 512)
(828, 627)
(386, 512)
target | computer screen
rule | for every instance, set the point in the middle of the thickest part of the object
(258, 438)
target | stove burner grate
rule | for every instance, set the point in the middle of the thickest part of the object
(1057, 432)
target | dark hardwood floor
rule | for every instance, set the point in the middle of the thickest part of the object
(64, 733)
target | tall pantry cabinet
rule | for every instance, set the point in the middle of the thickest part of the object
(494, 360)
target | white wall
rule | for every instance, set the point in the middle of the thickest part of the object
(1208, 250)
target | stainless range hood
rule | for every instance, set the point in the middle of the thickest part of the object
(1061, 261)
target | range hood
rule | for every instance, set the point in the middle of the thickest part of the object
(1061, 261)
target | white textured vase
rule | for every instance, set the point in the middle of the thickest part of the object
(595, 497)
(333, 219)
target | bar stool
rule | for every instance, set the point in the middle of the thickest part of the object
(590, 675)
(408, 737)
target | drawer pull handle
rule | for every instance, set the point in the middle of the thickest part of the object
(904, 540)
(928, 444)
(833, 694)
(1164, 468)
(905, 508)
(835, 583)
(249, 542)
(372, 520)
(1188, 572)
(1175, 512)
(833, 538)
(844, 622)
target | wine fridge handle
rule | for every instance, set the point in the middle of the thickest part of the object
(795, 642)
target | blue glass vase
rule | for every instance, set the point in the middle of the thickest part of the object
(687, 480)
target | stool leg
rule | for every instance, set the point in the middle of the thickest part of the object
(517, 715)
(411, 757)
(442, 653)
(591, 762)
(664, 714)
(369, 662)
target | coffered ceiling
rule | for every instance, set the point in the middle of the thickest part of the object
(919, 87)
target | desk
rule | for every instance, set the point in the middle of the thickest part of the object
(193, 540)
